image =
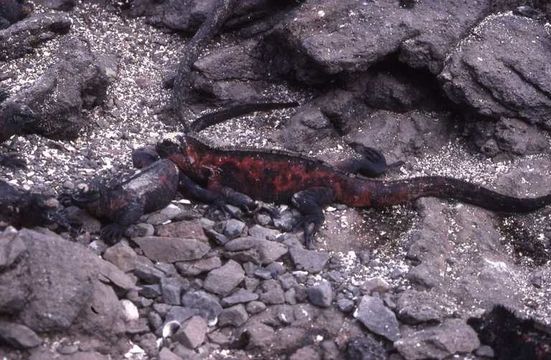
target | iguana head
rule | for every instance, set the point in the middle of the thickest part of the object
(86, 194)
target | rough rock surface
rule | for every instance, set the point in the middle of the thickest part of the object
(500, 70)
(379, 283)
(21, 38)
(58, 282)
(77, 81)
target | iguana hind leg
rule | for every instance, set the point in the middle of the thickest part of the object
(310, 204)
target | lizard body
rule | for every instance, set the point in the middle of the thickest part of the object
(310, 184)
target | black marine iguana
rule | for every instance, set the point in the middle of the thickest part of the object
(122, 204)
(22, 208)
(309, 184)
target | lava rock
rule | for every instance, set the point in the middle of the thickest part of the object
(365, 347)
(265, 251)
(204, 304)
(453, 336)
(320, 295)
(122, 256)
(258, 335)
(192, 333)
(57, 284)
(501, 70)
(193, 268)
(170, 249)
(233, 316)
(223, 280)
(378, 318)
(189, 229)
(308, 260)
(271, 292)
(329, 37)
(18, 336)
(22, 37)
(239, 297)
(415, 307)
(77, 81)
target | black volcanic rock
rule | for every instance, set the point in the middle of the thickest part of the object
(502, 70)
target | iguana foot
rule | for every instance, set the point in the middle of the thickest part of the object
(372, 164)
(112, 233)
(310, 203)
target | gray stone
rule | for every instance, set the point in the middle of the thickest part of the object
(204, 304)
(147, 272)
(140, 230)
(22, 37)
(122, 256)
(255, 307)
(321, 294)
(188, 229)
(77, 80)
(233, 316)
(308, 260)
(239, 297)
(305, 353)
(223, 280)
(166, 354)
(264, 233)
(150, 291)
(378, 318)
(11, 248)
(453, 336)
(233, 228)
(374, 285)
(171, 288)
(57, 283)
(162, 216)
(179, 314)
(345, 305)
(287, 281)
(365, 347)
(264, 253)
(286, 220)
(499, 74)
(196, 267)
(416, 307)
(172, 249)
(260, 335)
(192, 333)
(271, 292)
(18, 336)
(485, 351)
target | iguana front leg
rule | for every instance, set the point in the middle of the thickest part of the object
(310, 204)
(114, 231)
(215, 194)
(372, 163)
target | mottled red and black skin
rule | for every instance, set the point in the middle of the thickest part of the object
(21, 208)
(153, 188)
(275, 176)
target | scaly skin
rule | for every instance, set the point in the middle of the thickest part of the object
(20, 208)
(275, 176)
(123, 204)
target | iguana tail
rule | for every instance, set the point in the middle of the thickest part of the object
(220, 116)
(387, 193)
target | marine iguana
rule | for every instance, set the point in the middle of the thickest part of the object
(122, 204)
(14, 118)
(22, 208)
(310, 184)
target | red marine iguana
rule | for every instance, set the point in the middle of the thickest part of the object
(210, 173)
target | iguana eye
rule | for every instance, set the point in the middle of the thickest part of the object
(83, 188)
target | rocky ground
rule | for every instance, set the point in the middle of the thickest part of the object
(450, 88)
